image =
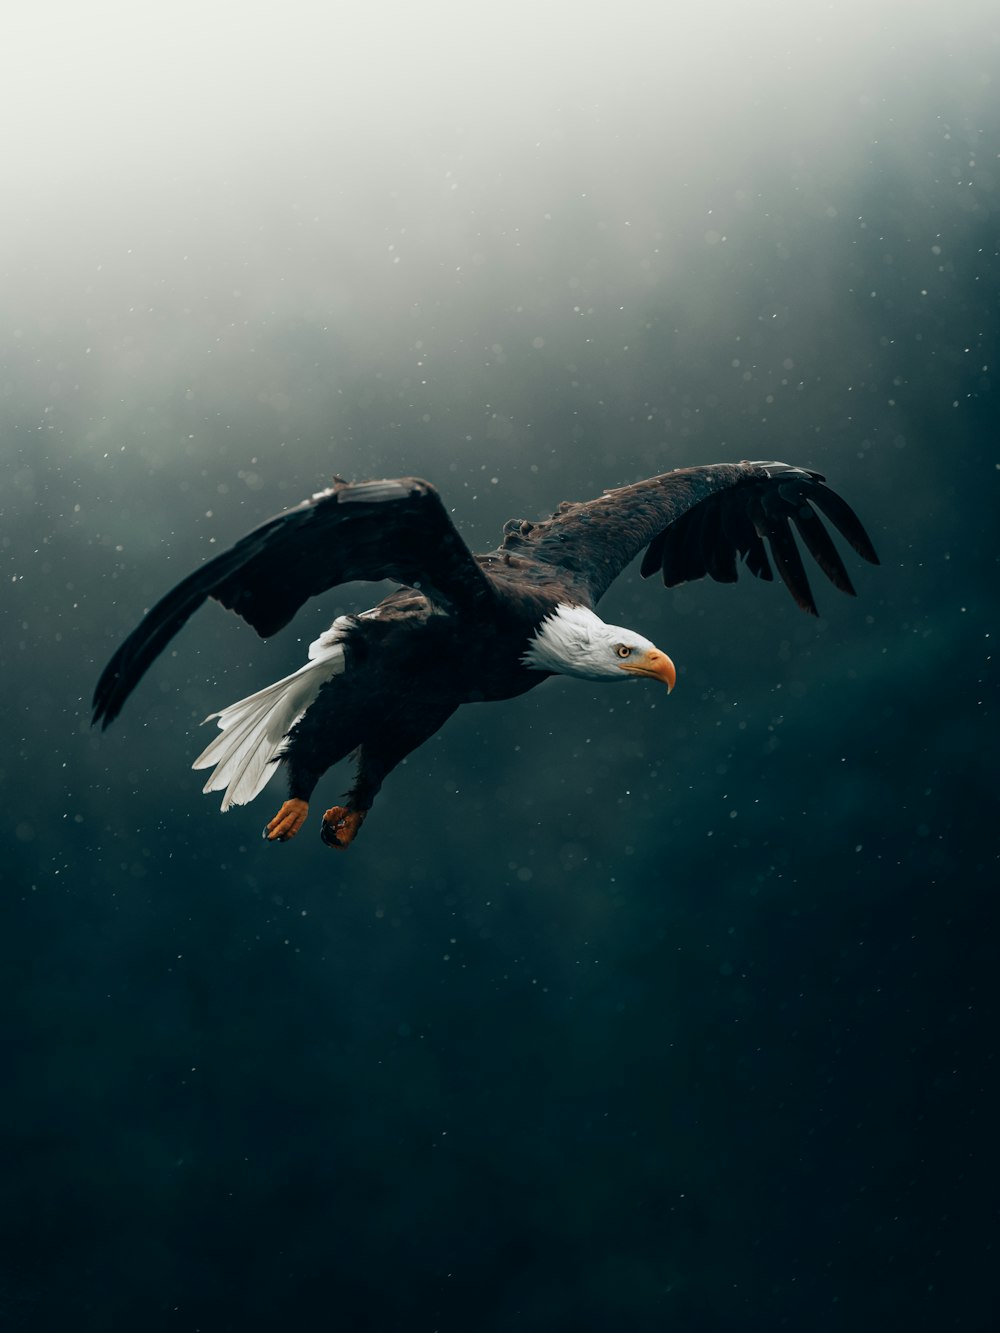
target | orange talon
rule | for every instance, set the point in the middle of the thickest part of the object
(287, 822)
(340, 826)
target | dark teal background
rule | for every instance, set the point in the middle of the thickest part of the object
(624, 1013)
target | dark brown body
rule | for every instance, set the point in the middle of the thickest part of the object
(387, 702)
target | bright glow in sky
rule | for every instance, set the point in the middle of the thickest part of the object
(141, 89)
(202, 146)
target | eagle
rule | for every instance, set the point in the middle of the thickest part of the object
(463, 628)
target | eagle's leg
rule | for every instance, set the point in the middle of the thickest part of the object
(287, 822)
(340, 826)
(376, 760)
(292, 815)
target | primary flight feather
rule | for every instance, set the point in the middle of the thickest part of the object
(463, 628)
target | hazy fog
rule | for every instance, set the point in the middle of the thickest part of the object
(624, 1013)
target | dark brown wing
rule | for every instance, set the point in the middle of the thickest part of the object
(694, 522)
(373, 530)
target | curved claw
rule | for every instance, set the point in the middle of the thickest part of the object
(340, 826)
(287, 822)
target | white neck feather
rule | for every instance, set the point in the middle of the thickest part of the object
(573, 641)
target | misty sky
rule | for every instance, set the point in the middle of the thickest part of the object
(340, 163)
(384, 227)
(691, 999)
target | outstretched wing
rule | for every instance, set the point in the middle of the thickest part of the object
(696, 521)
(373, 530)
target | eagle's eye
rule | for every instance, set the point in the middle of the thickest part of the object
(623, 650)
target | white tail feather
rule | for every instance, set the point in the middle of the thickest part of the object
(254, 728)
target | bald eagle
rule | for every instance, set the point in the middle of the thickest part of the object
(462, 628)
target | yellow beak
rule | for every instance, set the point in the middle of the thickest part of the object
(654, 664)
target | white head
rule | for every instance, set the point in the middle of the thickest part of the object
(575, 642)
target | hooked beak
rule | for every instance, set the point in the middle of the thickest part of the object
(655, 664)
